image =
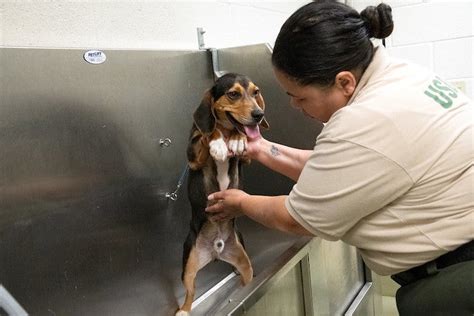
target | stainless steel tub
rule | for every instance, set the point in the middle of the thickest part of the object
(85, 224)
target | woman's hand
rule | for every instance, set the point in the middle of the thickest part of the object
(227, 204)
(254, 146)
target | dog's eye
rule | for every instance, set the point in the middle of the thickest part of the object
(256, 93)
(233, 95)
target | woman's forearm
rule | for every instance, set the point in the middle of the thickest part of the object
(271, 212)
(282, 159)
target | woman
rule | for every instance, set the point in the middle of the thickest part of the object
(391, 172)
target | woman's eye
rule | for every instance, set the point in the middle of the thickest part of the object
(233, 95)
(295, 98)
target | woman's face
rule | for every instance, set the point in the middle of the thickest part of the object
(315, 102)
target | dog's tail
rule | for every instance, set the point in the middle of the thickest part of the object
(219, 245)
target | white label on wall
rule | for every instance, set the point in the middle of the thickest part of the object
(95, 57)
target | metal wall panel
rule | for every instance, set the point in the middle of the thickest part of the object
(337, 273)
(285, 297)
(84, 225)
(85, 228)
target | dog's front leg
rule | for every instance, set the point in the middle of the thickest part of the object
(217, 146)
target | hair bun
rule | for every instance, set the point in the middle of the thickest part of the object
(378, 20)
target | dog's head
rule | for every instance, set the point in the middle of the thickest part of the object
(233, 102)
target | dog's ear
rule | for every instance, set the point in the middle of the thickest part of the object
(204, 116)
(264, 123)
(261, 104)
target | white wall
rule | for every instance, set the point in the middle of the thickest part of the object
(434, 33)
(140, 24)
(437, 34)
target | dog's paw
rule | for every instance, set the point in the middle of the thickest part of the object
(238, 144)
(182, 313)
(218, 149)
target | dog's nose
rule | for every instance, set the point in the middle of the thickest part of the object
(257, 115)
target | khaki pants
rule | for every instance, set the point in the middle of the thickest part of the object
(449, 292)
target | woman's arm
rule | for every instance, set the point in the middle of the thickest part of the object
(282, 159)
(269, 211)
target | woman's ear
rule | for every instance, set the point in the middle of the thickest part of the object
(346, 82)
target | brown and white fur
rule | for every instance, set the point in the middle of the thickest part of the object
(230, 112)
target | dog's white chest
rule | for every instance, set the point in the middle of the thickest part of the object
(223, 173)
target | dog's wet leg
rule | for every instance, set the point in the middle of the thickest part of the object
(196, 261)
(235, 254)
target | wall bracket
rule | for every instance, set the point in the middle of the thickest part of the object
(214, 54)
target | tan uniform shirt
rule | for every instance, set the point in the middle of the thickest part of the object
(391, 172)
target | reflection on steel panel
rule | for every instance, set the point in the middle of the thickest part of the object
(285, 297)
(84, 226)
(337, 274)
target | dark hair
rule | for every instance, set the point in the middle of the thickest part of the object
(325, 37)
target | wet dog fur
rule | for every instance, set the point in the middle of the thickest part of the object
(231, 111)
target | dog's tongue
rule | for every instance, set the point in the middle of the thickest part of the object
(252, 131)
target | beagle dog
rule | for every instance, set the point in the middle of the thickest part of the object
(231, 111)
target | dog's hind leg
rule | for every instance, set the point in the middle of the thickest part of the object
(197, 260)
(241, 238)
(235, 254)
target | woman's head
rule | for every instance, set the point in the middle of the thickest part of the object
(323, 49)
(325, 37)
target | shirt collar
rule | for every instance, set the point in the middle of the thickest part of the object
(378, 64)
